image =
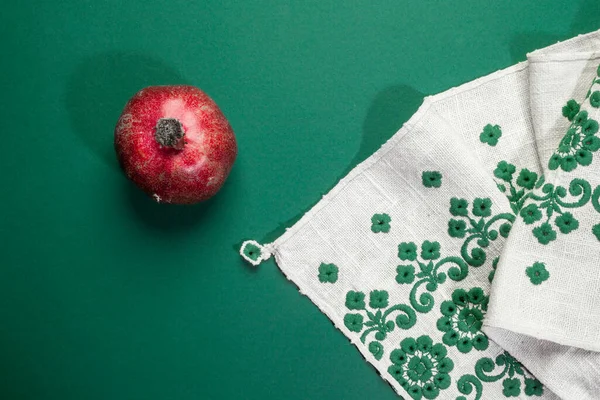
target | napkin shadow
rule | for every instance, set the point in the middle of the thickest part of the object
(98, 89)
(386, 114)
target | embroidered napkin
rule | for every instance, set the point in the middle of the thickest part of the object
(461, 258)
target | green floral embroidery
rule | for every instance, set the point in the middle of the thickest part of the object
(512, 372)
(380, 223)
(432, 179)
(596, 199)
(551, 202)
(578, 144)
(490, 134)
(466, 384)
(596, 231)
(511, 387)
(421, 367)
(462, 319)
(595, 99)
(480, 230)
(570, 110)
(328, 273)
(377, 322)
(525, 182)
(252, 251)
(428, 274)
(493, 271)
(537, 273)
(376, 348)
(533, 387)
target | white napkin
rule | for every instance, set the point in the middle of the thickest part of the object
(402, 253)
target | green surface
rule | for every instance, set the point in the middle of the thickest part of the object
(105, 295)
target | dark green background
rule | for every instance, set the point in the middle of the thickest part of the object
(105, 295)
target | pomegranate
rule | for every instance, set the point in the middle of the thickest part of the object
(175, 144)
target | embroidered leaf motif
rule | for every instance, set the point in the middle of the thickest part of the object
(421, 367)
(596, 231)
(490, 135)
(380, 223)
(537, 273)
(512, 372)
(480, 230)
(428, 275)
(377, 323)
(551, 201)
(328, 273)
(466, 384)
(462, 318)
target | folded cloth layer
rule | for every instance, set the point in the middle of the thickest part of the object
(426, 255)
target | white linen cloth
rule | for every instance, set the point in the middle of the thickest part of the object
(462, 258)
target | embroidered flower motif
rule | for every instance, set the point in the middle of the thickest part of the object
(568, 163)
(596, 231)
(406, 274)
(376, 322)
(482, 207)
(462, 320)
(511, 387)
(504, 171)
(544, 233)
(430, 250)
(551, 202)
(595, 99)
(577, 145)
(478, 231)
(533, 387)
(590, 127)
(354, 322)
(457, 228)
(380, 223)
(378, 299)
(512, 372)
(527, 179)
(531, 214)
(567, 223)
(490, 134)
(537, 273)
(581, 117)
(458, 207)
(570, 110)
(328, 273)
(428, 275)
(355, 300)
(516, 194)
(591, 143)
(421, 367)
(432, 179)
(407, 251)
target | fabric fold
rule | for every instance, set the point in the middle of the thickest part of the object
(424, 255)
(545, 301)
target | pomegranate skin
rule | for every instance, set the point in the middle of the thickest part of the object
(196, 167)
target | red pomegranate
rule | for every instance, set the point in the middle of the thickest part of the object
(175, 144)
